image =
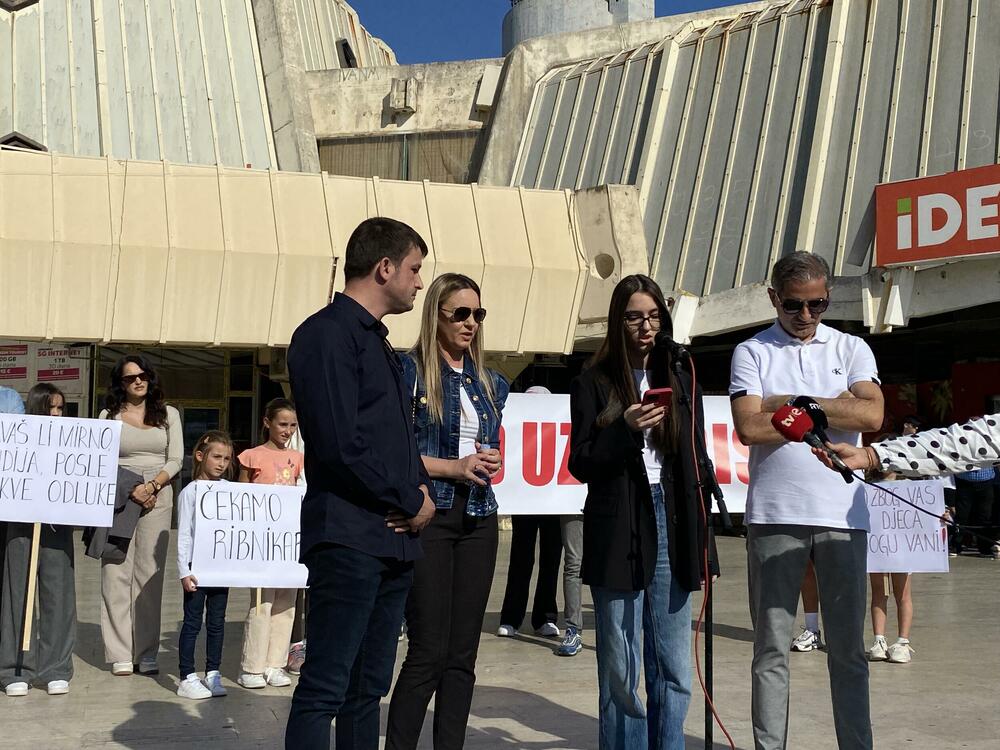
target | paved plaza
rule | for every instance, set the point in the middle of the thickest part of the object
(527, 697)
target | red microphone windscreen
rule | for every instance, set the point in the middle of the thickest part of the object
(792, 423)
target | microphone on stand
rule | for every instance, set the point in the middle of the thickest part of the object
(677, 352)
(796, 426)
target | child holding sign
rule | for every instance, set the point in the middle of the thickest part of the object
(50, 658)
(212, 460)
(268, 629)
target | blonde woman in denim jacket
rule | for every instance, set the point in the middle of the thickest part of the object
(457, 404)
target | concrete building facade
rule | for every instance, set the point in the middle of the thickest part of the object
(697, 148)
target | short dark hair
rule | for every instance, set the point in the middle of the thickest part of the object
(914, 420)
(800, 267)
(378, 238)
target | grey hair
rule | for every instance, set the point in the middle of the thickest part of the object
(799, 267)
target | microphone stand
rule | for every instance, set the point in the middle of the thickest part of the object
(710, 488)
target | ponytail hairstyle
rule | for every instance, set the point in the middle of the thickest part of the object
(271, 410)
(209, 438)
(612, 361)
(40, 399)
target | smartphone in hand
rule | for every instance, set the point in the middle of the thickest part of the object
(658, 396)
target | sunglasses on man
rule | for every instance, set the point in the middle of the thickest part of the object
(794, 306)
(130, 379)
(461, 314)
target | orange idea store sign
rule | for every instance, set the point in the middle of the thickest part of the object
(945, 217)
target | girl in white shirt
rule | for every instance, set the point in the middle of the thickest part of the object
(212, 461)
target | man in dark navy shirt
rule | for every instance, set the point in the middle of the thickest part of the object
(367, 495)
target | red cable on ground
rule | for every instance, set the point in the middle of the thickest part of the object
(707, 571)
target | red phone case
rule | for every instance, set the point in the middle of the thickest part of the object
(658, 396)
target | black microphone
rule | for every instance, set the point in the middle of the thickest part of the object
(796, 426)
(820, 423)
(678, 352)
(811, 407)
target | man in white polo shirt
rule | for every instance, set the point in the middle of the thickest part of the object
(796, 509)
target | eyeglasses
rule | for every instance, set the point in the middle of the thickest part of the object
(636, 319)
(130, 379)
(816, 306)
(460, 314)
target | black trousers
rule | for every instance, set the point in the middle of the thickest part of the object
(974, 503)
(355, 611)
(444, 619)
(522, 560)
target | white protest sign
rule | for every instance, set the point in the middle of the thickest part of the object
(535, 447)
(58, 470)
(247, 535)
(902, 539)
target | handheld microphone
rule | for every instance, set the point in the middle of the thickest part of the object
(796, 426)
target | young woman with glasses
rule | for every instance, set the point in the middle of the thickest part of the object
(457, 404)
(152, 445)
(642, 542)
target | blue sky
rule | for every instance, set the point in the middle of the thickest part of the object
(435, 30)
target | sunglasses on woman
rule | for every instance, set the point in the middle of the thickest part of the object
(130, 379)
(460, 314)
(816, 306)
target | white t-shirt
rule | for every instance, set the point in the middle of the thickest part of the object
(650, 456)
(787, 484)
(468, 432)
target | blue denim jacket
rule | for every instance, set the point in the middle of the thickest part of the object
(440, 440)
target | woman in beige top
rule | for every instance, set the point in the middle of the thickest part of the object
(152, 445)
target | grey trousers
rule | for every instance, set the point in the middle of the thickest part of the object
(776, 557)
(572, 539)
(54, 631)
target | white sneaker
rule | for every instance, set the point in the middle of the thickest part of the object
(806, 641)
(251, 681)
(213, 681)
(121, 668)
(900, 652)
(506, 631)
(879, 650)
(16, 689)
(276, 677)
(192, 688)
(57, 687)
(149, 667)
(548, 630)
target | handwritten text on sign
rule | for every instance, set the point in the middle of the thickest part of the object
(247, 535)
(58, 470)
(902, 539)
(535, 448)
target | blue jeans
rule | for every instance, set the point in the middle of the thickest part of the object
(208, 604)
(355, 613)
(663, 613)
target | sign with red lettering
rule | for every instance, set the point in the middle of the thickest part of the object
(60, 363)
(14, 366)
(535, 442)
(948, 216)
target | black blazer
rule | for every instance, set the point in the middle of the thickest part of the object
(619, 525)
